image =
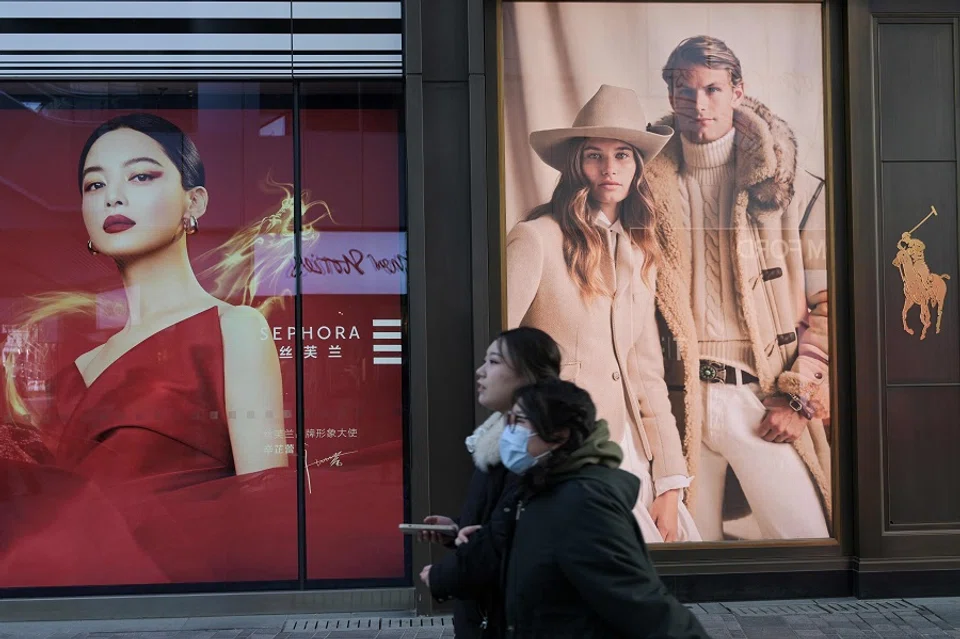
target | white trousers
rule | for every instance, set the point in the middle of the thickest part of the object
(775, 481)
(637, 464)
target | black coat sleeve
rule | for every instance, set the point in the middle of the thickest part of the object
(463, 574)
(606, 560)
(473, 571)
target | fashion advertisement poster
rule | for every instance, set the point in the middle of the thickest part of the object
(150, 351)
(665, 212)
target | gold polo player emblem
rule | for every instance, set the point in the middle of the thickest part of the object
(920, 287)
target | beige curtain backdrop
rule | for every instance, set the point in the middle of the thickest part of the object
(557, 54)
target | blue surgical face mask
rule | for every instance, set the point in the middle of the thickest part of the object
(513, 450)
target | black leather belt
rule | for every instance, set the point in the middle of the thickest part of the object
(717, 373)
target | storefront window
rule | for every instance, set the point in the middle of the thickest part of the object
(148, 307)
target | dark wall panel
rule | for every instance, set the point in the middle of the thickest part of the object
(918, 171)
(908, 192)
(437, 38)
(922, 449)
(445, 40)
(917, 118)
(449, 290)
(908, 461)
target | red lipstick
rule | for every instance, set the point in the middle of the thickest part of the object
(117, 224)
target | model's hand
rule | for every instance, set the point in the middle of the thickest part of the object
(665, 511)
(782, 424)
(425, 574)
(432, 535)
(464, 535)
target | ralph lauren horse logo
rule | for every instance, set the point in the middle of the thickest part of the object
(920, 286)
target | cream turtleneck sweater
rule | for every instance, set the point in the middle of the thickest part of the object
(707, 191)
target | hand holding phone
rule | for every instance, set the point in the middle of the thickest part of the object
(435, 528)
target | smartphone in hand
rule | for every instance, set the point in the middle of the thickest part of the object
(448, 530)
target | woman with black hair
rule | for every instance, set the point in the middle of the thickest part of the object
(187, 388)
(576, 564)
(514, 359)
(156, 452)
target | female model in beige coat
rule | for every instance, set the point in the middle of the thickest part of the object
(582, 267)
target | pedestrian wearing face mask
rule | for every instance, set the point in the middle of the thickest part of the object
(515, 358)
(575, 563)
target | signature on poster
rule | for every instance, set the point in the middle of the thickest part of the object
(920, 287)
(335, 461)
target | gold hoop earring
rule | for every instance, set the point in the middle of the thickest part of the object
(191, 225)
(90, 248)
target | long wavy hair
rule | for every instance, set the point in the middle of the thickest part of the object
(583, 242)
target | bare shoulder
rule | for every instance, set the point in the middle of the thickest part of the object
(241, 322)
(83, 360)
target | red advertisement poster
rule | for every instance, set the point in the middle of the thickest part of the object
(150, 351)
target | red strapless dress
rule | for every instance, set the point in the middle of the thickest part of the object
(142, 489)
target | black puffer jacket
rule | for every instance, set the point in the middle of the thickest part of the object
(577, 564)
(478, 606)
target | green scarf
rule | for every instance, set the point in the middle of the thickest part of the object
(596, 449)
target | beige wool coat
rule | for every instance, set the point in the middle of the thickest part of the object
(779, 235)
(610, 346)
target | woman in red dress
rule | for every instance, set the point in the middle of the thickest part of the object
(160, 455)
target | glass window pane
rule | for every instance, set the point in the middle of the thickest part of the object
(354, 285)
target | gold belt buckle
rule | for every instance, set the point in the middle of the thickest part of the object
(712, 372)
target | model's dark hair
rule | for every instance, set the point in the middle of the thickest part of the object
(176, 144)
(556, 409)
(530, 352)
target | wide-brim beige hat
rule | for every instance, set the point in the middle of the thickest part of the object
(613, 112)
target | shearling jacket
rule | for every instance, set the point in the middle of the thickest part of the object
(610, 345)
(779, 236)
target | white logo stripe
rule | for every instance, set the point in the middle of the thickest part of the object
(199, 41)
(387, 348)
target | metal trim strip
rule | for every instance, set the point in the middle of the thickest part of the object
(204, 9)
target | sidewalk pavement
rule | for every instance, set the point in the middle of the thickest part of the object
(742, 620)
